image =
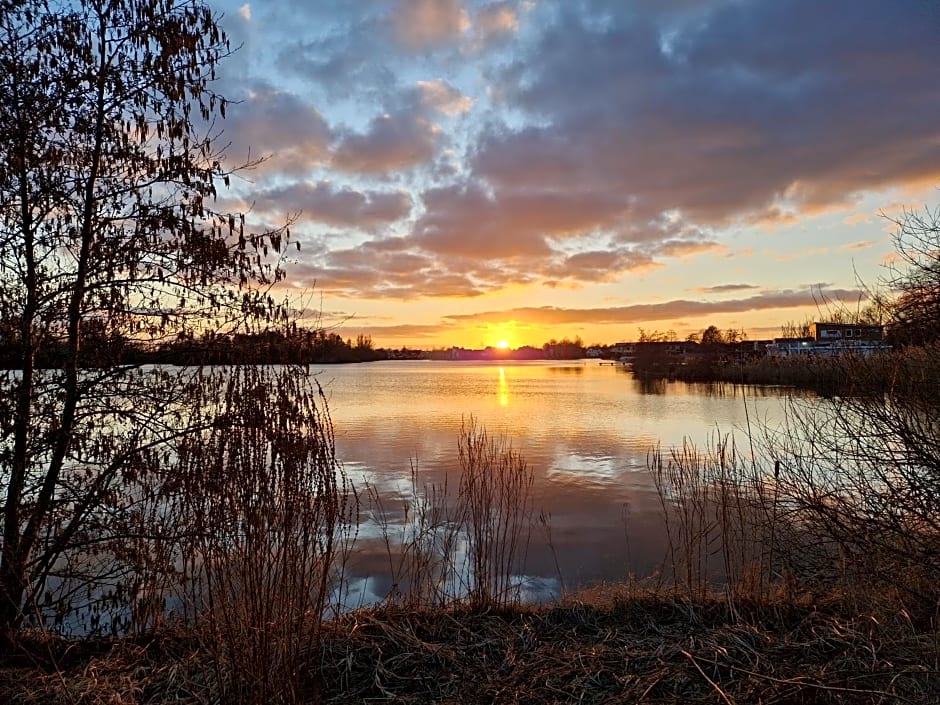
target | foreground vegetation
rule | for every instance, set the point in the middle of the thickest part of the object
(609, 646)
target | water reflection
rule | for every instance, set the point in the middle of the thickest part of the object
(567, 369)
(652, 386)
(584, 429)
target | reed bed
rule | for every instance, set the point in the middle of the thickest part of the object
(611, 646)
(445, 548)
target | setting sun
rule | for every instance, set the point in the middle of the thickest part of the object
(503, 344)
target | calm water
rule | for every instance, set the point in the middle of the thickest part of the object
(585, 430)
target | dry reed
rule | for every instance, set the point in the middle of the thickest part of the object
(268, 505)
(605, 648)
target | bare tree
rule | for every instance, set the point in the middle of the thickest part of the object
(861, 468)
(914, 314)
(109, 165)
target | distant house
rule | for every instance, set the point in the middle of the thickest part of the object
(786, 347)
(832, 332)
(830, 339)
(621, 351)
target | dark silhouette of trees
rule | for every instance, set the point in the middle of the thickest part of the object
(795, 329)
(657, 336)
(712, 336)
(109, 166)
(564, 349)
(914, 314)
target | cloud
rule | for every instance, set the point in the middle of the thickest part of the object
(401, 331)
(426, 24)
(669, 310)
(725, 288)
(599, 265)
(391, 143)
(245, 12)
(467, 221)
(349, 60)
(606, 137)
(756, 108)
(686, 248)
(860, 245)
(439, 95)
(379, 269)
(322, 202)
(290, 133)
(495, 21)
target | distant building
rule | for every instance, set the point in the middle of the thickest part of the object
(621, 350)
(785, 347)
(831, 332)
(830, 339)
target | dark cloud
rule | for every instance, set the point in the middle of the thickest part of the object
(640, 313)
(322, 202)
(599, 265)
(349, 60)
(278, 125)
(467, 221)
(725, 288)
(754, 104)
(374, 271)
(392, 143)
(685, 248)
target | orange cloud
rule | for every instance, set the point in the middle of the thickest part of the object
(441, 96)
(425, 24)
(639, 313)
(495, 21)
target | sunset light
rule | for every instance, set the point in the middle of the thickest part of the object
(371, 337)
(560, 177)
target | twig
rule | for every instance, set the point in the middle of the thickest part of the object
(712, 683)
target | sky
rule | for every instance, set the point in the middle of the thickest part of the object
(468, 172)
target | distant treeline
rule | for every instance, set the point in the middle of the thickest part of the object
(103, 348)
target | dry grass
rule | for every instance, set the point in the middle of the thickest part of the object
(612, 647)
(444, 549)
(270, 507)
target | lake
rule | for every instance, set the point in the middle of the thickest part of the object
(584, 428)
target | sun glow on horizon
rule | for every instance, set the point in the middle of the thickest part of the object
(503, 344)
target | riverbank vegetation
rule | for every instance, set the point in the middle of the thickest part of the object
(845, 374)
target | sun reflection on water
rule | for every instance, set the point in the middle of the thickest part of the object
(503, 388)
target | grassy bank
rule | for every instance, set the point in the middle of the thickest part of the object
(611, 646)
